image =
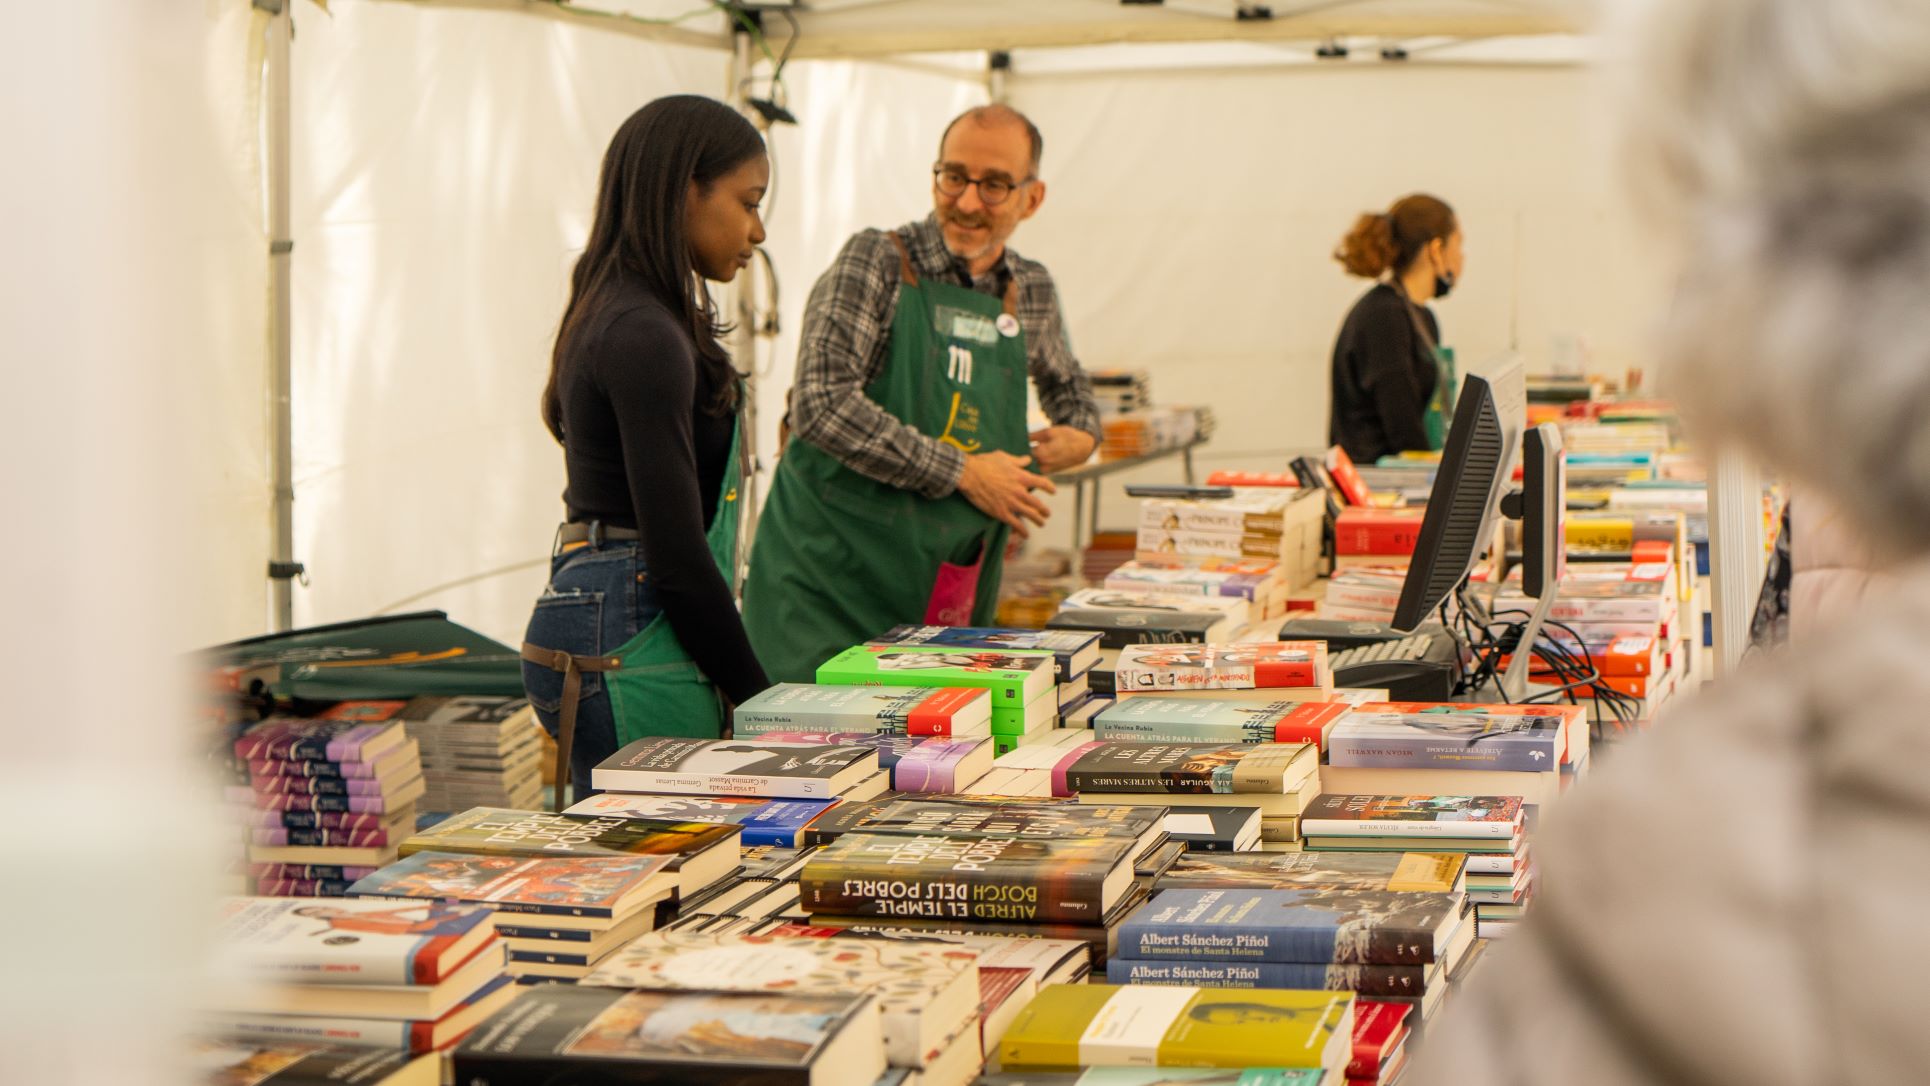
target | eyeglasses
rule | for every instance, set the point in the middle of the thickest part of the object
(991, 190)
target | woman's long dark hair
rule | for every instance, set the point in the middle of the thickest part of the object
(638, 231)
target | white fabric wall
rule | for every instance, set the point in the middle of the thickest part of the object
(131, 299)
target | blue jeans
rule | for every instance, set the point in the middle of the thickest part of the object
(598, 598)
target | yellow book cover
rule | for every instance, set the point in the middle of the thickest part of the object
(1070, 1026)
(1601, 533)
(1427, 872)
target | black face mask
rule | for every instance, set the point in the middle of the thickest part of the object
(1443, 283)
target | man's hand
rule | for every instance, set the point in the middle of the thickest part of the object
(998, 484)
(1057, 448)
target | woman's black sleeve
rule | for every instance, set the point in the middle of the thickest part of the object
(1386, 357)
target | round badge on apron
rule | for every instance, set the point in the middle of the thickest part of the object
(1008, 325)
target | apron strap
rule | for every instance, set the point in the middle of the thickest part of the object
(1012, 297)
(572, 668)
(909, 277)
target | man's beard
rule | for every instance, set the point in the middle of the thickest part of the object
(982, 222)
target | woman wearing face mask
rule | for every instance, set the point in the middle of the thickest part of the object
(1387, 362)
(638, 633)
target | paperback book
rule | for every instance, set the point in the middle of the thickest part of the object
(1183, 769)
(603, 888)
(1014, 677)
(1413, 816)
(1350, 927)
(1404, 981)
(1406, 872)
(1017, 820)
(1241, 666)
(1070, 1026)
(910, 710)
(352, 942)
(779, 822)
(1178, 718)
(934, 876)
(735, 767)
(1073, 651)
(1381, 736)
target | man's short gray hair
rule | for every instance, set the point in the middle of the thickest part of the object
(1786, 144)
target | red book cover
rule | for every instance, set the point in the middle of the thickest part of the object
(1379, 1029)
(934, 715)
(1341, 467)
(1368, 531)
(1252, 478)
(1309, 722)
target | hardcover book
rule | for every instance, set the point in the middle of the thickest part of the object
(935, 876)
(1182, 770)
(304, 739)
(1069, 1026)
(1351, 927)
(1241, 666)
(735, 767)
(765, 821)
(927, 992)
(1073, 651)
(909, 710)
(701, 852)
(603, 888)
(1014, 677)
(1384, 737)
(1412, 816)
(1014, 819)
(1404, 981)
(352, 942)
(1409, 872)
(242, 1063)
(578, 1033)
(1379, 1030)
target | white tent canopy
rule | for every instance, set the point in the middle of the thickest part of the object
(444, 152)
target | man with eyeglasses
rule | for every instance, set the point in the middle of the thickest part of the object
(909, 463)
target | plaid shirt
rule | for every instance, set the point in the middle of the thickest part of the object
(847, 329)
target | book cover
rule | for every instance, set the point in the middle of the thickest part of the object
(244, 1063)
(550, 885)
(1351, 927)
(777, 822)
(1408, 872)
(1379, 1029)
(1069, 1026)
(1236, 611)
(304, 739)
(1448, 736)
(909, 710)
(1412, 816)
(399, 1035)
(1242, 666)
(908, 979)
(1014, 677)
(484, 712)
(1383, 980)
(1162, 544)
(1072, 651)
(1252, 512)
(1346, 477)
(1182, 769)
(1118, 627)
(580, 1033)
(760, 767)
(1360, 530)
(314, 820)
(1014, 819)
(1137, 576)
(396, 760)
(347, 941)
(1214, 829)
(494, 831)
(942, 765)
(967, 878)
(1177, 718)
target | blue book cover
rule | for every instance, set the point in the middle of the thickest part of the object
(765, 821)
(1448, 739)
(1351, 927)
(1368, 980)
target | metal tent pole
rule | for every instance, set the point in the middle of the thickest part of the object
(1735, 553)
(743, 341)
(282, 567)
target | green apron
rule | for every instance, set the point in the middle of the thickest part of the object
(654, 686)
(840, 557)
(1440, 409)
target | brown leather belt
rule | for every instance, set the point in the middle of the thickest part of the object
(572, 668)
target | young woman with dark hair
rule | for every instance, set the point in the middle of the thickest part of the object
(1386, 360)
(638, 632)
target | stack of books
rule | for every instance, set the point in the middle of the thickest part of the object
(1395, 946)
(916, 711)
(1277, 779)
(1405, 872)
(1074, 652)
(580, 1033)
(1273, 523)
(1304, 1038)
(1262, 583)
(1363, 594)
(1365, 536)
(1125, 617)
(1022, 683)
(409, 976)
(759, 768)
(1488, 830)
(1248, 671)
(693, 855)
(927, 993)
(325, 795)
(477, 751)
(1450, 748)
(778, 823)
(1603, 601)
(1108, 549)
(557, 915)
(1118, 391)
(1149, 430)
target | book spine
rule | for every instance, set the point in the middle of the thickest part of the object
(281, 1029)
(1365, 944)
(1197, 732)
(320, 838)
(277, 767)
(630, 780)
(1024, 896)
(1353, 536)
(316, 786)
(492, 1067)
(1420, 752)
(1368, 980)
(1395, 827)
(276, 887)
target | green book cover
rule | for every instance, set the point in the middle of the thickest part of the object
(496, 831)
(1014, 676)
